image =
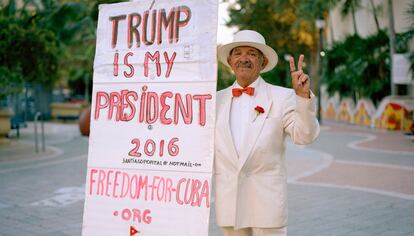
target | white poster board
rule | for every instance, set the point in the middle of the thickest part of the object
(151, 144)
(401, 73)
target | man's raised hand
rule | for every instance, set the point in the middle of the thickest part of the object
(300, 80)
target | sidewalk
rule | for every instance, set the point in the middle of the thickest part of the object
(360, 183)
(23, 148)
(376, 139)
(362, 166)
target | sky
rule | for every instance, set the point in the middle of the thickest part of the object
(224, 33)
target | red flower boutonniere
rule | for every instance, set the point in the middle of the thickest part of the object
(259, 110)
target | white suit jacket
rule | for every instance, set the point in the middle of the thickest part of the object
(251, 187)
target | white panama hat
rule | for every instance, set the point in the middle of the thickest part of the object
(252, 39)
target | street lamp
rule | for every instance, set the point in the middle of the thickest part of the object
(320, 24)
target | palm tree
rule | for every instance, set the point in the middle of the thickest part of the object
(351, 6)
(374, 12)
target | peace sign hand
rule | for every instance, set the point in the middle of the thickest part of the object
(300, 80)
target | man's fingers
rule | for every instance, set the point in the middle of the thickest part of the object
(303, 78)
(297, 74)
(300, 63)
(292, 64)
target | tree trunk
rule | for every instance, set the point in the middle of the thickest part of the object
(313, 70)
(392, 42)
(354, 20)
(374, 12)
(331, 29)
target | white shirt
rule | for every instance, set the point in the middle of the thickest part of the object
(239, 115)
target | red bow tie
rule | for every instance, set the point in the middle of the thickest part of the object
(238, 91)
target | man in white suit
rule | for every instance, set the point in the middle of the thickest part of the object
(253, 119)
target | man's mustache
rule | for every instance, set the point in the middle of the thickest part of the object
(244, 64)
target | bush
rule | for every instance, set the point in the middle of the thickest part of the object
(359, 67)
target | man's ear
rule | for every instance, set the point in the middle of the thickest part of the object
(265, 61)
(228, 60)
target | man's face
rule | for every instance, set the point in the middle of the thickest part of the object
(246, 62)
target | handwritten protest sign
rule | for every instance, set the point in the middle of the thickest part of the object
(153, 114)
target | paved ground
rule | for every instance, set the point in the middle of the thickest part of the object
(351, 181)
(362, 183)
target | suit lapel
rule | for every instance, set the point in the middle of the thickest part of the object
(226, 104)
(256, 121)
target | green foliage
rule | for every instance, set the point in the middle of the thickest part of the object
(66, 20)
(75, 30)
(225, 76)
(311, 10)
(50, 40)
(11, 81)
(27, 53)
(80, 49)
(359, 67)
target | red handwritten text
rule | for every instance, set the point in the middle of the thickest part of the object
(178, 17)
(150, 107)
(120, 184)
(150, 147)
(135, 215)
(154, 58)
